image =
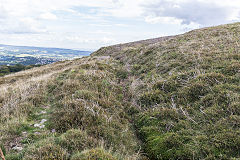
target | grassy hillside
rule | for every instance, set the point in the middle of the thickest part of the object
(167, 98)
(67, 110)
(188, 90)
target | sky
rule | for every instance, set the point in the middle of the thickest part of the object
(91, 24)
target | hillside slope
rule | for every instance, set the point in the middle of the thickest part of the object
(66, 110)
(167, 98)
(187, 87)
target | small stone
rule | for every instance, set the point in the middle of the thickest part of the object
(43, 121)
(43, 112)
(42, 126)
(17, 148)
(39, 125)
(36, 125)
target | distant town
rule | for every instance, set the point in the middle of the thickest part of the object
(11, 55)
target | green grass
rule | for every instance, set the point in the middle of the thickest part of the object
(188, 93)
(170, 98)
(84, 107)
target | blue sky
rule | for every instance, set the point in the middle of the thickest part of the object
(88, 24)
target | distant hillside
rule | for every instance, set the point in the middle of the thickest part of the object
(10, 55)
(8, 69)
(168, 98)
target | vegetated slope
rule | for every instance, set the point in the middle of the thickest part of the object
(67, 110)
(188, 89)
(167, 98)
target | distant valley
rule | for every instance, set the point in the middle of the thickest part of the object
(11, 55)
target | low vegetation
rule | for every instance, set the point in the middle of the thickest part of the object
(168, 98)
(187, 92)
(77, 112)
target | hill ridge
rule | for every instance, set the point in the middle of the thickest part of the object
(168, 98)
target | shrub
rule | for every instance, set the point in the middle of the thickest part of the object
(232, 69)
(94, 154)
(152, 98)
(85, 94)
(212, 78)
(169, 146)
(45, 150)
(72, 114)
(167, 86)
(76, 140)
(194, 91)
(122, 74)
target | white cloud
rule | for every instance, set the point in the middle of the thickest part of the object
(200, 12)
(21, 26)
(125, 8)
(14, 12)
(153, 11)
(166, 20)
(48, 16)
